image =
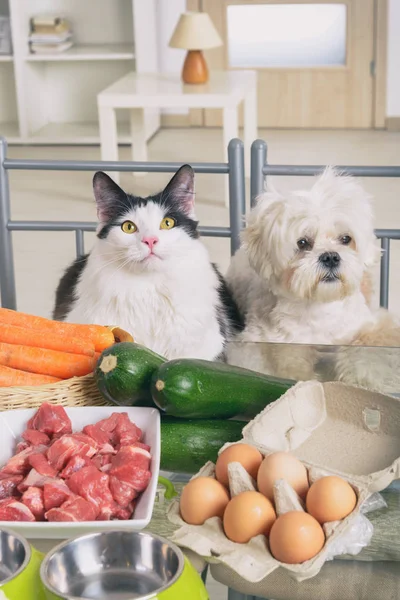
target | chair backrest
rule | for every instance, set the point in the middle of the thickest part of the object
(234, 168)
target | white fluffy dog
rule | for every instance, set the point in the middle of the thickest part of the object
(302, 273)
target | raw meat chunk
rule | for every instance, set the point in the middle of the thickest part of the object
(33, 499)
(117, 429)
(101, 460)
(108, 425)
(35, 438)
(132, 456)
(141, 479)
(96, 433)
(8, 486)
(106, 512)
(68, 446)
(4, 474)
(107, 449)
(19, 463)
(106, 468)
(74, 464)
(42, 465)
(94, 445)
(75, 509)
(122, 492)
(55, 493)
(143, 446)
(104, 432)
(124, 513)
(51, 419)
(126, 432)
(131, 465)
(13, 510)
(21, 446)
(86, 439)
(34, 479)
(93, 486)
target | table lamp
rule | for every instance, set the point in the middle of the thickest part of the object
(195, 32)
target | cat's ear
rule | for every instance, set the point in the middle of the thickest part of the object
(181, 188)
(107, 195)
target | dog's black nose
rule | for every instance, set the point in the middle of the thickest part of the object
(330, 260)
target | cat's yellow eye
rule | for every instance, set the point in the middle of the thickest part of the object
(167, 223)
(128, 227)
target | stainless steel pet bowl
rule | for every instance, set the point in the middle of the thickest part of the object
(19, 568)
(14, 555)
(114, 565)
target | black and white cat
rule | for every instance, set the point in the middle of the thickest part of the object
(150, 274)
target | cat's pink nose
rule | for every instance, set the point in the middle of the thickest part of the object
(150, 241)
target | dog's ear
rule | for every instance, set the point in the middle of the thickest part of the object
(373, 252)
(261, 238)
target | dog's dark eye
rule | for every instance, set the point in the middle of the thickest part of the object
(345, 240)
(304, 244)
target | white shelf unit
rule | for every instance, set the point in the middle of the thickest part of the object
(52, 98)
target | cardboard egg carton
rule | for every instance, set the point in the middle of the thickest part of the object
(333, 429)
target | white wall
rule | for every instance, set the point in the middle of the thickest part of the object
(393, 72)
(170, 60)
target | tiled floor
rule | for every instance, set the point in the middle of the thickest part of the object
(41, 257)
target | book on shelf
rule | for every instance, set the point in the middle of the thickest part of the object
(49, 24)
(49, 39)
(51, 48)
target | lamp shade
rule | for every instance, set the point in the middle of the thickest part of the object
(195, 31)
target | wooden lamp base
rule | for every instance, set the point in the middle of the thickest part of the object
(195, 68)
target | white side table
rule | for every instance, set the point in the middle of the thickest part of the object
(137, 91)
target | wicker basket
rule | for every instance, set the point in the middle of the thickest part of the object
(78, 391)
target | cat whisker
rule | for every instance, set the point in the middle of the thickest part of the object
(108, 264)
(127, 261)
(115, 253)
(109, 243)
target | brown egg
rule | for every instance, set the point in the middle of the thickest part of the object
(248, 514)
(248, 456)
(201, 499)
(282, 465)
(330, 499)
(295, 537)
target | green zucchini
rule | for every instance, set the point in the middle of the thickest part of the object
(123, 374)
(199, 389)
(187, 445)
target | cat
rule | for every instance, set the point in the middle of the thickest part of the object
(150, 274)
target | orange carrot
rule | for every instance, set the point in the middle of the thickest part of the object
(15, 377)
(45, 362)
(12, 334)
(101, 336)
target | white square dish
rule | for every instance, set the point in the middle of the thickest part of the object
(13, 423)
